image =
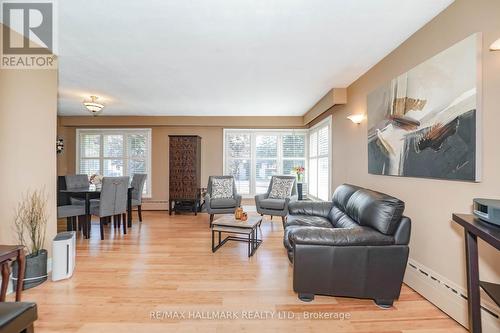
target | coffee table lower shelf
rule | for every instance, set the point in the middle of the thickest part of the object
(252, 237)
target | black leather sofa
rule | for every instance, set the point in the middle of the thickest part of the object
(354, 246)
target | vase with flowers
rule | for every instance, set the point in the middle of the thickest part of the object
(299, 171)
(95, 180)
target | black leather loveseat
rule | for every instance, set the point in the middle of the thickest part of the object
(354, 246)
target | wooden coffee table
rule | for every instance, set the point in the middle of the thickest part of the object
(228, 224)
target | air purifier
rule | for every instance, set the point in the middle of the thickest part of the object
(63, 255)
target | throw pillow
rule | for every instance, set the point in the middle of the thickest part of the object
(222, 188)
(281, 188)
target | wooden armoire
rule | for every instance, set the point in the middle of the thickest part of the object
(185, 173)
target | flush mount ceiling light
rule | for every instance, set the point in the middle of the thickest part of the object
(93, 106)
(356, 118)
(495, 46)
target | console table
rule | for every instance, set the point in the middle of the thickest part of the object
(489, 233)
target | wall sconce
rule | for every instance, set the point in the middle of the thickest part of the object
(356, 118)
(495, 46)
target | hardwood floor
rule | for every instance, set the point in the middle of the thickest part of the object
(166, 265)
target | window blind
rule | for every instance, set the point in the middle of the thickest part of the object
(238, 159)
(266, 161)
(114, 153)
(319, 161)
(254, 156)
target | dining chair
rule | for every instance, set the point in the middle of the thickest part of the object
(112, 202)
(70, 212)
(76, 181)
(138, 181)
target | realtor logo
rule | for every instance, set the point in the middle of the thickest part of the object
(28, 34)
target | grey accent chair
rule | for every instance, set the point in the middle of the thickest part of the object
(76, 181)
(70, 212)
(221, 205)
(138, 181)
(112, 203)
(276, 207)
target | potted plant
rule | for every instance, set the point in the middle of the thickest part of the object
(30, 224)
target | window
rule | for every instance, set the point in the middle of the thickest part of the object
(253, 156)
(319, 160)
(114, 152)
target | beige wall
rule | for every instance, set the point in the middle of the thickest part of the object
(435, 242)
(335, 96)
(209, 128)
(28, 111)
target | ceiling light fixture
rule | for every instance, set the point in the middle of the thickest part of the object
(93, 106)
(495, 46)
(356, 118)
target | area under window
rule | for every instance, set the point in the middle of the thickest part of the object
(252, 156)
(114, 153)
(319, 160)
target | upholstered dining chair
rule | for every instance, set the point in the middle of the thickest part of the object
(275, 201)
(112, 203)
(138, 181)
(70, 212)
(76, 181)
(222, 196)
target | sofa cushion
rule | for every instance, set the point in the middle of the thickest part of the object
(340, 219)
(277, 204)
(307, 221)
(377, 210)
(223, 203)
(342, 195)
(222, 188)
(281, 188)
(314, 208)
(360, 236)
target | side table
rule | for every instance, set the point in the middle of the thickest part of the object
(7, 253)
(474, 229)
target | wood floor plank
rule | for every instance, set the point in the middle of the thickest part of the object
(165, 265)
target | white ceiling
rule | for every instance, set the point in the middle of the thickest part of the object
(224, 57)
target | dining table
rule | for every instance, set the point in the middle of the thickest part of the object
(94, 192)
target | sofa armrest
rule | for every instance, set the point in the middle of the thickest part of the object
(362, 236)
(207, 200)
(289, 200)
(260, 197)
(314, 208)
(237, 197)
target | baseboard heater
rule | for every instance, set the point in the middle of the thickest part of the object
(447, 296)
(155, 205)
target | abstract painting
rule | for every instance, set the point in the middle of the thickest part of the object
(424, 123)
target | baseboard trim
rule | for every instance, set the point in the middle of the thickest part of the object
(154, 205)
(449, 297)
